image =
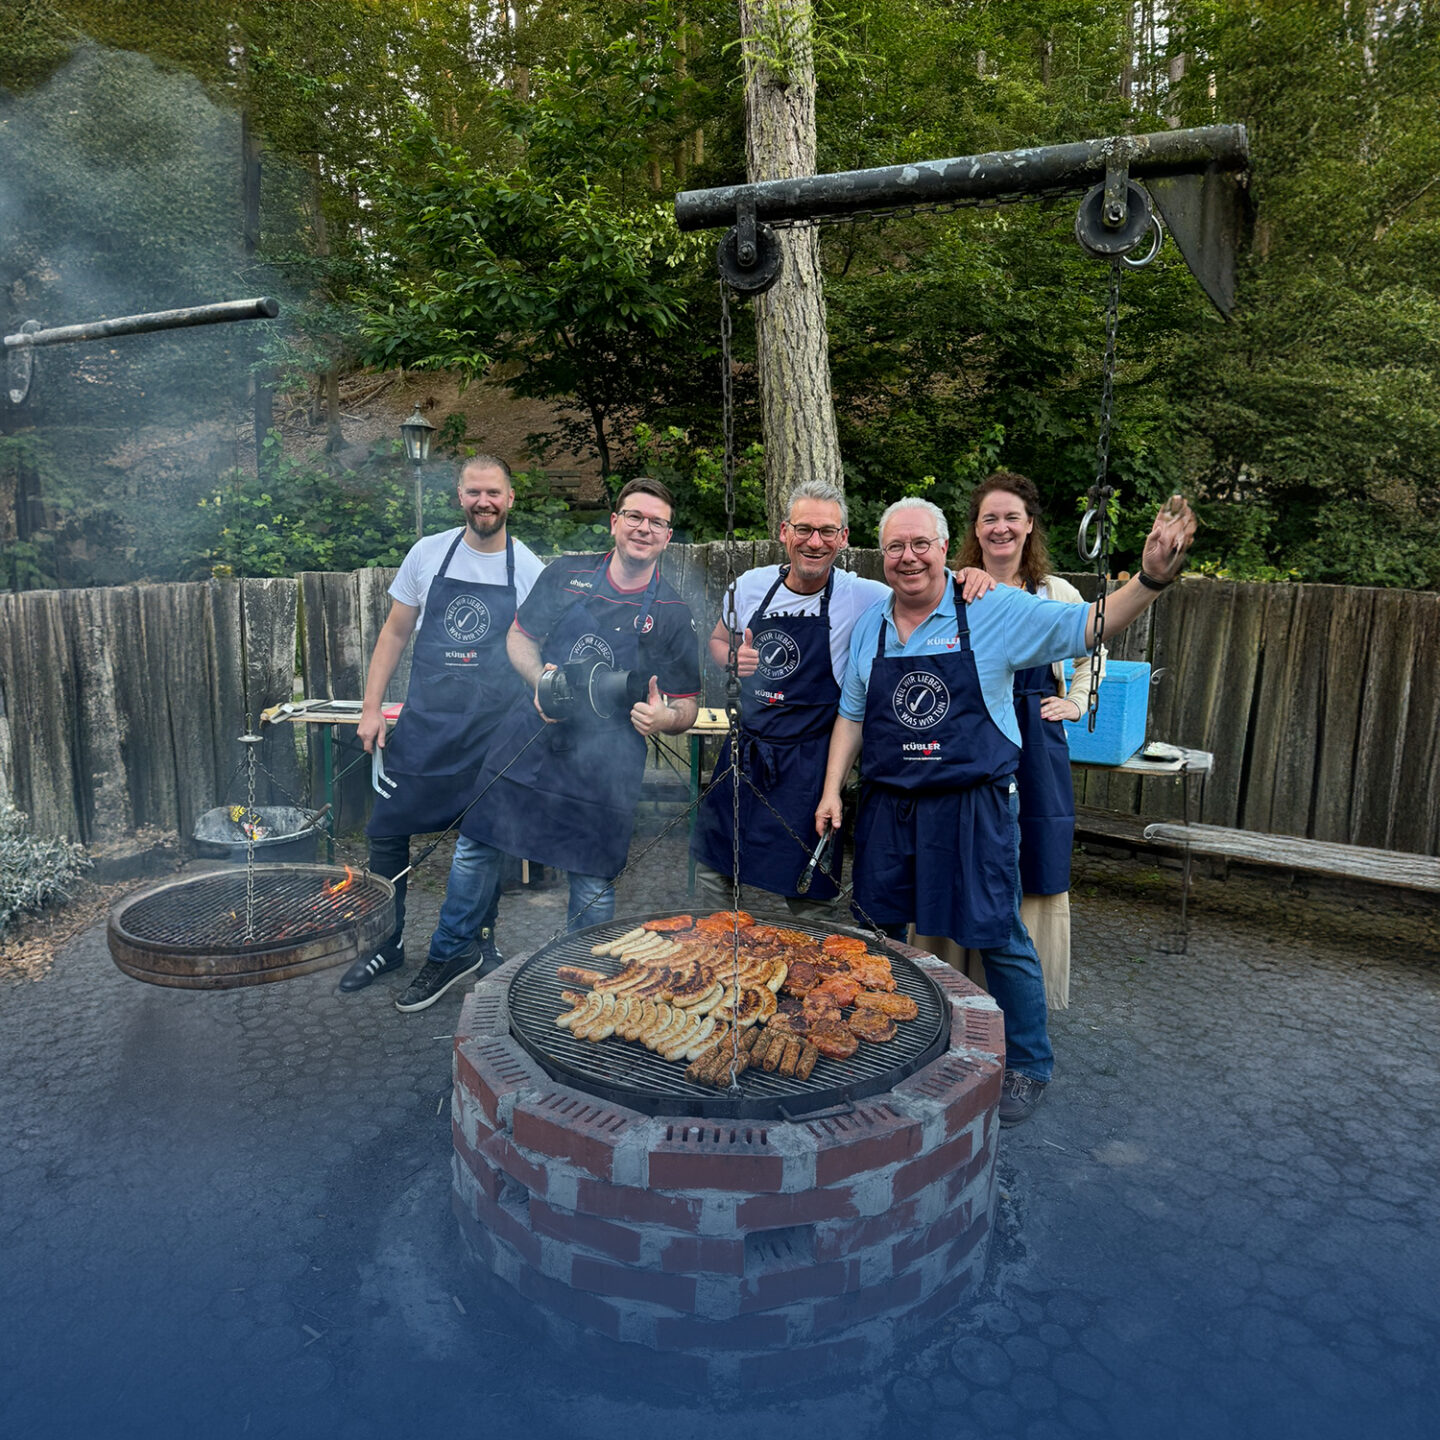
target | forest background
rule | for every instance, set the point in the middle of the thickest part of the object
(486, 190)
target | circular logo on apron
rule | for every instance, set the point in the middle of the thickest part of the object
(920, 700)
(779, 654)
(467, 619)
(592, 647)
(647, 627)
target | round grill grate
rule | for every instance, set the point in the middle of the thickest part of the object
(630, 1075)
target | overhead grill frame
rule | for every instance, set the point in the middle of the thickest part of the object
(628, 1074)
(190, 933)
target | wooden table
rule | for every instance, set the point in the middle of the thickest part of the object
(333, 714)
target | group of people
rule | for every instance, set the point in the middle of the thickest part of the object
(947, 687)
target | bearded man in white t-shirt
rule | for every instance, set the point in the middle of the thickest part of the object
(456, 593)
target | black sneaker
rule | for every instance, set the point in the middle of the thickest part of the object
(371, 967)
(1019, 1097)
(435, 978)
(490, 956)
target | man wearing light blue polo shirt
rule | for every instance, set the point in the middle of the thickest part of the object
(927, 707)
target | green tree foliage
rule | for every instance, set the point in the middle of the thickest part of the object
(487, 188)
(558, 271)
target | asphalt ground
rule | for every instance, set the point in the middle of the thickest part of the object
(228, 1213)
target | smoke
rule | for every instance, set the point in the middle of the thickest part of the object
(122, 193)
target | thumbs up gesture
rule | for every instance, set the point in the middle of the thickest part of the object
(652, 714)
(748, 657)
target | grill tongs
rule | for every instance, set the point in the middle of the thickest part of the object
(802, 885)
(380, 782)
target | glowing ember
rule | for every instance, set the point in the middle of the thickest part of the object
(344, 884)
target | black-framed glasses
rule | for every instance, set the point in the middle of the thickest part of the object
(896, 548)
(636, 521)
(828, 533)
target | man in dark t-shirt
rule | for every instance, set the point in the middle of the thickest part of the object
(563, 790)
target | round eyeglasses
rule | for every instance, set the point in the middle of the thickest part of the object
(896, 548)
(636, 521)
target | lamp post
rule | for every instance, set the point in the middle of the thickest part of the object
(416, 433)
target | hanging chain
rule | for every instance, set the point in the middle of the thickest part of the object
(732, 659)
(1102, 491)
(249, 740)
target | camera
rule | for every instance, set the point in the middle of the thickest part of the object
(590, 689)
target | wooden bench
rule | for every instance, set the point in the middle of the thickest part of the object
(1291, 852)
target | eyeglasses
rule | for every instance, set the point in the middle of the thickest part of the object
(828, 533)
(636, 521)
(896, 548)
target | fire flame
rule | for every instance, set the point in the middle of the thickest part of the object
(344, 884)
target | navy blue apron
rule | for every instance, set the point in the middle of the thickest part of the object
(934, 841)
(1047, 796)
(569, 800)
(787, 709)
(461, 685)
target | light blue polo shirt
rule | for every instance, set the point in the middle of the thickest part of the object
(1010, 630)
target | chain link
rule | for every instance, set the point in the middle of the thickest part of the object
(1101, 491)
(732, 655)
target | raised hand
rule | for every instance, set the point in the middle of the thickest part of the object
(747, 656)
(1169, 540)
(651, 715)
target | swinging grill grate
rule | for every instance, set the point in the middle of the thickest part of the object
(207, 914)
(631, 1075)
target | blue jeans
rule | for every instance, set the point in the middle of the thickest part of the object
(472, 896)
(1015, 981)
(472, 899)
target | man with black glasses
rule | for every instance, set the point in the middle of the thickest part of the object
(792, 623)
(563, 791)
(929, 696)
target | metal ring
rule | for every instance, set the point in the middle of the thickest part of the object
(1159, 239)
(1088, 551)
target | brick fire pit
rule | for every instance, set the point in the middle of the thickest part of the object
(760, 1250)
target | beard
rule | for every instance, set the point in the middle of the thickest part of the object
(484, 526)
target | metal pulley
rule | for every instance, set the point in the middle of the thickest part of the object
(749, 254)
(1113, 220)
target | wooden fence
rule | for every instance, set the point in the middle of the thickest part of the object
(120, 709)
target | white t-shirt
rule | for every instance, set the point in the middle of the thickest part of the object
(849, 600)
(418, 569)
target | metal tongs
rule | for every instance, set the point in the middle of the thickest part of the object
(802, 885)
(380, 782)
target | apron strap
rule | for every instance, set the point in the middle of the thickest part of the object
(764, 605)
(962, 626)
(449, 554)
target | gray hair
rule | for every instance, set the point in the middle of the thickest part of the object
(820, 490)
(485, 462)
(914, 502)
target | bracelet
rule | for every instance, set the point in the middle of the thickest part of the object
(1151, 583)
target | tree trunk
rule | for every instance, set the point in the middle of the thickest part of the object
(261, 390)
(330, 377)
(791, 342)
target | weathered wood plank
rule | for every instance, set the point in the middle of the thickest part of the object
(1388, 661)
(269, 610)
(39, 681)
(1271, 698)
(98, 634)
(1289, 852)
(1416, 781)
(1337, 671)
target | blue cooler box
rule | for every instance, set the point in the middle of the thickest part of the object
(1120, 725)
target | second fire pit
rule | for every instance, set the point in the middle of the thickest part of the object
(191, 933)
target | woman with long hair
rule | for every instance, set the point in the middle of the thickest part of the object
(1004, 537)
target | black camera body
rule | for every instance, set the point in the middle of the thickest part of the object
(590, 690)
